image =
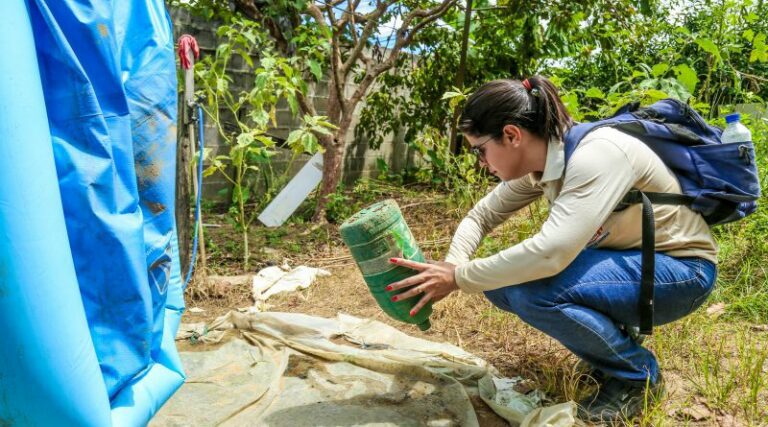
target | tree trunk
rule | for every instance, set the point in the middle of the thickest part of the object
(334, 148)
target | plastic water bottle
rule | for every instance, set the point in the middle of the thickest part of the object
(735, 131)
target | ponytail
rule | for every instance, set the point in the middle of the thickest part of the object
(532, 104)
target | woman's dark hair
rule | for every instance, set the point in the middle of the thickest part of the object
(537, 108)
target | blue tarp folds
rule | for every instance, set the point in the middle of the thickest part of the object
(89, 278)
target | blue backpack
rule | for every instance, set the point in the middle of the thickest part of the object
(718, 180)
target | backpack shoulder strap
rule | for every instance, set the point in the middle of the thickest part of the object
(577, 133)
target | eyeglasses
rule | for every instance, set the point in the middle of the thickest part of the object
(477, 151)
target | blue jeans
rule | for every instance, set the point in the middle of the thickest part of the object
(583, 305)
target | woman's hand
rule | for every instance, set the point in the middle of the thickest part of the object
(434, 282)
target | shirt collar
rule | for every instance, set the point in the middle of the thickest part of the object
(554, 164)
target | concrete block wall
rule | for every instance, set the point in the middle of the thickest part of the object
(359, 160)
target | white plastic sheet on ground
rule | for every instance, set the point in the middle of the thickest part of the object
(274, 280)
(297, 370)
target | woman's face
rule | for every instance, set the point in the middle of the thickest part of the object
(504, 157)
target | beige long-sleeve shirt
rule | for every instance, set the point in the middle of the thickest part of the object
(582, 196)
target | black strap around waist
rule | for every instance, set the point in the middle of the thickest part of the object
(648, 252)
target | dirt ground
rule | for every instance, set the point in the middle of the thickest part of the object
(468, 321)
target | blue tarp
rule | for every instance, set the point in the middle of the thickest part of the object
(90, 286)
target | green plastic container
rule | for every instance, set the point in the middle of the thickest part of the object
(374, 235)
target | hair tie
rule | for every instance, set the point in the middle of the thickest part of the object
(527, 85)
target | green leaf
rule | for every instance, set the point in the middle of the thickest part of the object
(381, 165)
(321, 130)
(294, 136)
(686, 76)
(244, 139)
(267, 141)
(659, 70)
(748, 34)
(259, 117)
(315, 68)
(709, 46)
(222, 85)
(210, 170)
(322, 121)
(222, 49)
(594, 92)
(250, 36)
(287, 70)
(293, 104)
(450, 94)
(267, 62)
(655, 94)
(759, 50)
(615, 88)
(675, 89)
(261, 81)
(571, 101)
(648, 84)
(309, 143)
(247, 58)
(236, 154)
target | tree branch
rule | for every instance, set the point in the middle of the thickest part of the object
(405, 35)
(335, 60)
(317, 14)
(350, 17)
(367, 60)
(362, 88)
(370, 25)
(305, 104)
(336, 65)
(751, 76)
(329, 10)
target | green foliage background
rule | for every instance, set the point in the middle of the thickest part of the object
(713, 50)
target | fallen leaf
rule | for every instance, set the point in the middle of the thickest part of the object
(696, 413)
(715, 310)
(759, 328)
(728, 420)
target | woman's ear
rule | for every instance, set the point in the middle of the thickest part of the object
(514, 134)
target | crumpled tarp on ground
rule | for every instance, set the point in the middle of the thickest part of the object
(298, 370)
